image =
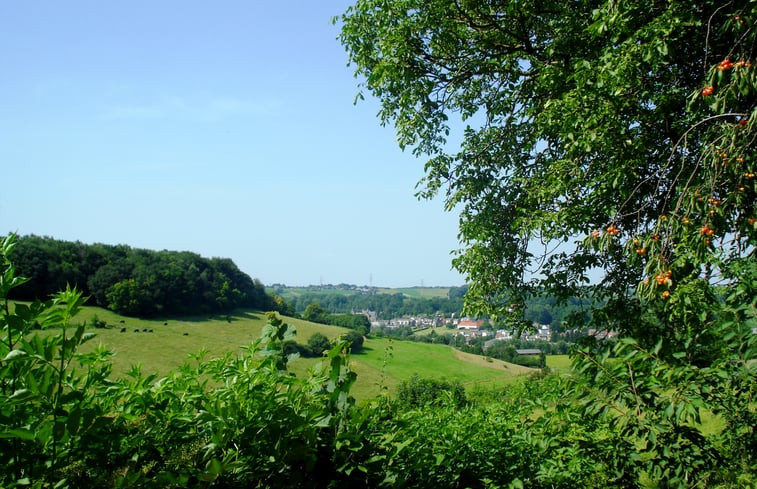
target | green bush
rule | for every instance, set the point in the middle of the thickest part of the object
(417, 392)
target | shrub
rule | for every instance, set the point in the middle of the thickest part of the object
(318, 344)
(417, 392)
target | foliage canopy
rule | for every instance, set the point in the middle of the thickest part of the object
(608, 152)
(136, 282)
(626, 128)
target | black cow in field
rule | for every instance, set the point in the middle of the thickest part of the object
(123, 330)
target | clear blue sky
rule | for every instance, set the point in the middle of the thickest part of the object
(225, 128)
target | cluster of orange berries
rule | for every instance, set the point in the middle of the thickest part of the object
(612, 230)
(725, 65)
(749, 174)
(664, 279)
(640, 250)
(707, 231)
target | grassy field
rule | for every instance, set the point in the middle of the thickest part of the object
(161, 345)
(559, 363)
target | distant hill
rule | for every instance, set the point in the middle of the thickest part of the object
(386, 302)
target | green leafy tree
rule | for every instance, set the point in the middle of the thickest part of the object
(315, 313)
(318, 343)
(608, 153)
(127, 297)
(591, 122)
(354, 340)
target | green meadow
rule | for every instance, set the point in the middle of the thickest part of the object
(160, 345)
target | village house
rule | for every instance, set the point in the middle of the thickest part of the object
(469, 324)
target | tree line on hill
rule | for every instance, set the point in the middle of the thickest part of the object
(538, 309)
(316, 314)
(136, 282)
(386, 306)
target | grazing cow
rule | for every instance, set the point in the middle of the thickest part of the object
(136, 331)
(186, 334)
(123, 330)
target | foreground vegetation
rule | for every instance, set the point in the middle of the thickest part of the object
(243, 420)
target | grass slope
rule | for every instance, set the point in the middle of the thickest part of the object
(384, 363)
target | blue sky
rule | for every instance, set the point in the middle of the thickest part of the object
(224, 128)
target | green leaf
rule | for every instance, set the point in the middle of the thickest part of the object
(22, 395)
(20, 433)
(15, 355)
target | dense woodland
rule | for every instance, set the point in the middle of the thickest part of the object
(136, 282)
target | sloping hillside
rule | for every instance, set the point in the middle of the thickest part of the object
(160, 345)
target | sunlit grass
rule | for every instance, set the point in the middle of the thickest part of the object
(161, 345)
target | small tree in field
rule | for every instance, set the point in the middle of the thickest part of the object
(318, 343)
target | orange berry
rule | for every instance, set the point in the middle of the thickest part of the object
(742, 122)
(751, 221)
(665, 294)
(612, 230)
(707, 91)
(641, 251)
(595, 234)
(726, 64)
